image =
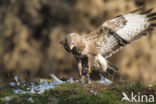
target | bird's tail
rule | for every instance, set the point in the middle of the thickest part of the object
(111, 67)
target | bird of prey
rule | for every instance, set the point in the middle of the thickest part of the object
(92, 50)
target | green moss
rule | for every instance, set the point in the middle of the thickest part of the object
(128, 87)
(5, 91)
(73, 94)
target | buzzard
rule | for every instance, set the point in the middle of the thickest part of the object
(92, 50)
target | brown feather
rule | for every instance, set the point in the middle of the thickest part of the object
(96, 34)
(151, 15)
(117, 16)
(147, 11)
(153, 25)
(116, 23)
(152, 19)
(142, 7)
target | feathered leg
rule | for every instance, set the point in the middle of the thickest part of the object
(102, 62)
(80, 68)
(90, 64)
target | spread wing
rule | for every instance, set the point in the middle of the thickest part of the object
(121, 30)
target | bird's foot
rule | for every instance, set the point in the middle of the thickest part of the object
(88, 80)
(85, 78)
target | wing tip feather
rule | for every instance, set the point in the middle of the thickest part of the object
(147, 11)
(152, 19)
(151, 15)
(140, 8)
(153, 25)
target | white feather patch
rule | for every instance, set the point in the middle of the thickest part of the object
(135, 24)
(109, 43)
(100, 62)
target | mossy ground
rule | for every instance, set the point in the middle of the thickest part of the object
(76, 93)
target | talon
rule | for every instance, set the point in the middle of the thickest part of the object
(89, 70)
(83, 79)
(88, 81)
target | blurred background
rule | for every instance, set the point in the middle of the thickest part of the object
(30, 31)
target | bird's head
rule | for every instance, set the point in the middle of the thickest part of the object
(73, 40)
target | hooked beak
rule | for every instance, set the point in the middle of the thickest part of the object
(71, 47)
